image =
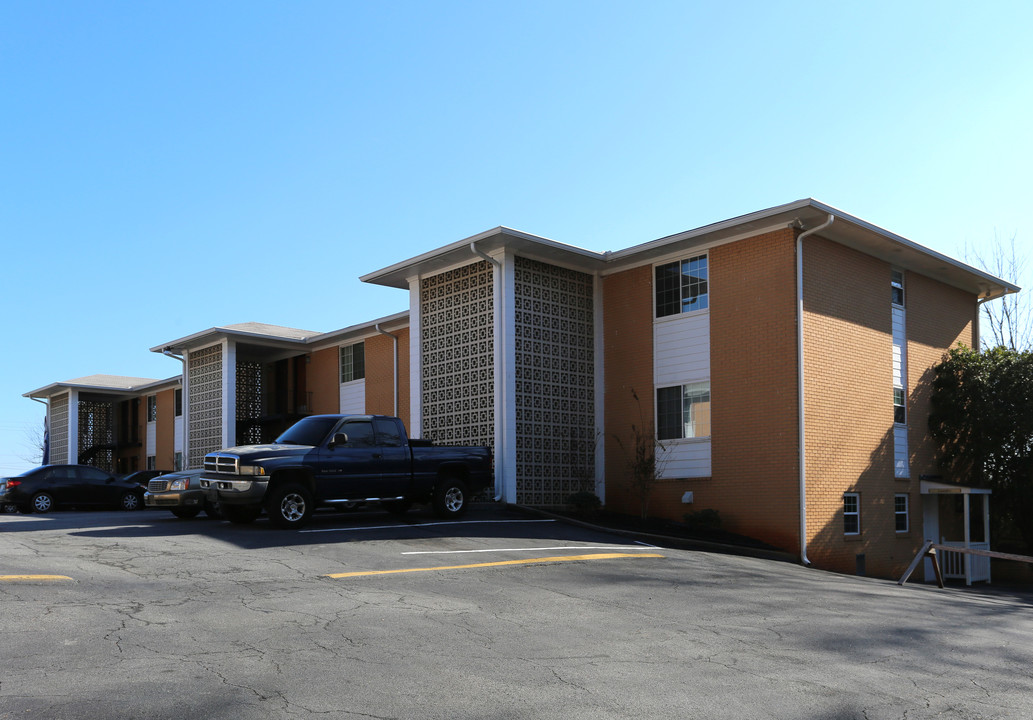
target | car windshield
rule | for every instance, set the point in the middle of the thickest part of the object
(310, 431)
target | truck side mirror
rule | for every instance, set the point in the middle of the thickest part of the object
(339, 439)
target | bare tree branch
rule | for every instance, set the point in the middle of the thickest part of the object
(1007, 321)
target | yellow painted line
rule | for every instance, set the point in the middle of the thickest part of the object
(30, 578)
(561, 558)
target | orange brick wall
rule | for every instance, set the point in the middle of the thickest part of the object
(165, 430)
(754, 483)
(324, 381)
(938, 317)
(628, 358)
(380, 375)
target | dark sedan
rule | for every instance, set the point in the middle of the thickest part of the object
(44, 488)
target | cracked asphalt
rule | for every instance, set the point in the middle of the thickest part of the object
(162, 618)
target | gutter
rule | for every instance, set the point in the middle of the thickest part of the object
(395, 339)
(800, 380)
(499, 490)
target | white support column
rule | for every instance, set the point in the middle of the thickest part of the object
(229, 393)
(968, 541)
(73, 427)
(600, 387)
(415, 360)
(505, 378)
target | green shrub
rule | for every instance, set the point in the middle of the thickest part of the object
(703, 520)
(584, 502)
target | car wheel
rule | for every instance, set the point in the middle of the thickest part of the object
(289, 506)
(129, 501)
(186, 513)
(240, 514)
(397, 507)
(42, 502)
(450, 498)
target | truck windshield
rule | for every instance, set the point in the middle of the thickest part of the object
(310, 431)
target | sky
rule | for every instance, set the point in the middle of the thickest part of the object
(170, 167)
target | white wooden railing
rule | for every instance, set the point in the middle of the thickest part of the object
(965, 566)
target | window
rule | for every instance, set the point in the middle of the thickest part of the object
(179, 401)
(152, 408)
(897, 288)
(683, 411)
(900, 513)
(851, 514)
(899, 408)
(179, 461)
(359, 432)
(681, 286)
(388, 434)
(353, 362)
(151, 463)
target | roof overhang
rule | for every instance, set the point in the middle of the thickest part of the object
(930, 487)
(97, 385)
(847, 230)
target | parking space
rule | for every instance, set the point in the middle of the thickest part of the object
(500, 615)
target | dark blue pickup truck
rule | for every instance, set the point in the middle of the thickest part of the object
(340, 460)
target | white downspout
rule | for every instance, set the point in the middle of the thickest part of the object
(167, 351)
(799, 380)
(502, 326)
(47, 404)
(395, 339)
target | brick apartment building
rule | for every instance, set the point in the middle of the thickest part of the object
(782, 360)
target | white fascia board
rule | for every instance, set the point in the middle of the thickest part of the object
(59, 388)
(397, 275)
(214, 335)
(352, 333)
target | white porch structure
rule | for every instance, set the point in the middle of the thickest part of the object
(940, 521)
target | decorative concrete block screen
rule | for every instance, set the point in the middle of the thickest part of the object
(457, 349)
(204, 379)
(555, 383)
(59, 430)
(249, 403)
(97, 428)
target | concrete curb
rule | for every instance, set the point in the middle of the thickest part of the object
(666, 540)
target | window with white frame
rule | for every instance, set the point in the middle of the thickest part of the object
(900, 514)
(179, 461)
(682, 287)
(897, 288)
(683, 411)
(353, 362)
(152, 463)
(851, 514)
(152, 408)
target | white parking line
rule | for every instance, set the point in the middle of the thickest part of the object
(430, 524)
(525, 549)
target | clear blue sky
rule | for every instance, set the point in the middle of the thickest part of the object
(169, 167)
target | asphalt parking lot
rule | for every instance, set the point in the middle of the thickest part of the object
(500, 615)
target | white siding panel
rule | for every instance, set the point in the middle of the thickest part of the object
(353, 398)
(685, 459)
(899, 338)
(177, 440)
(900, 459)
(681, 350)
(152, 438)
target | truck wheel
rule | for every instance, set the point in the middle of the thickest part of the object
(240, 514)
(289, 506)
(450, 498)
(186, 513)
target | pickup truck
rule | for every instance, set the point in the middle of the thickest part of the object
(340, 460)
